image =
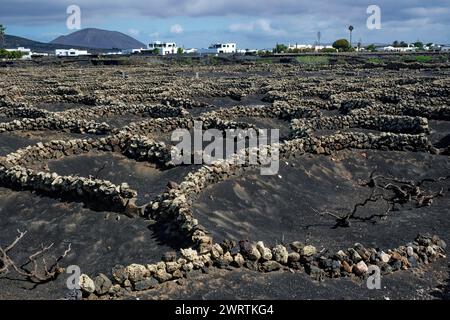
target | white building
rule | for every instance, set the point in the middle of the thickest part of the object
(445, 49)
(112, 53)
(222, 48)
(26, 53)
(190, 51)
(300, 46)
(133, 51)
(318, 48)
(247, 51)
(164, 48)
(409, 48)
(70, 53)
(432, 47)
(39, 54)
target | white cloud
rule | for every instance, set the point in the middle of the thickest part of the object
(133, 32)
(154, 35)
(261, 25)
(176, 28)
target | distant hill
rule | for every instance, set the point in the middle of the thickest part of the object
(12, 42)
(101, 39)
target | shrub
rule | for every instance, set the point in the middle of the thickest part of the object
(4, 54)
(328, 50)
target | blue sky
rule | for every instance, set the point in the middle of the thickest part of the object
(250, 23)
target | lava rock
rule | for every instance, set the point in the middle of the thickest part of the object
(347, 267)
(102, 284)
(136, 272)
(315, 272)
(86, 284)
(189, 254)
(270, 266)
(309, 251)
(410, 251)
(293, 257)
(280, 254)
(297, 246)
(146, 284)
(239, 260)
(360, 268)
(162, 275)
(249, 251)
(216, 251)
(119, 274)
(354, 255)
(413, 262)
(266, 253)
(251, 265)
(384, 257)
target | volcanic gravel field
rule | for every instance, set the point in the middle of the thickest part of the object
(87, 179)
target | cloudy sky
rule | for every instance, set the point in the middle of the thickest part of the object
(250, 23)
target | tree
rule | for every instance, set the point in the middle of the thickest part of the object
(280, 48)
(403, 44)
(371, 47)
(418, 44)
(350, 28)
(180, 51)
(342, 45)
(2, 35)
(396, 44)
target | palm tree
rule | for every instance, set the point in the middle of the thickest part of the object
(2, 36)
(350, 28)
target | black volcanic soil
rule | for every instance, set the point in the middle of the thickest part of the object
(148, 180)
(275, 209)
(59, 107)
(99, 240)
(440, 133)
(12, 141)
(282, 208)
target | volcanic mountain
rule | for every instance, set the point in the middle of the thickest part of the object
(15, 42)
(100, 39)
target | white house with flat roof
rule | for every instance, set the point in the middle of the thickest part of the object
(164, 48)
(300, 46)
(409, 48)
(222, 48)
(70, 53)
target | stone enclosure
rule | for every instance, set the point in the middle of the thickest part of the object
(325, 110)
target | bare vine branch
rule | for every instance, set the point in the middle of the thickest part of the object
(40, 270)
